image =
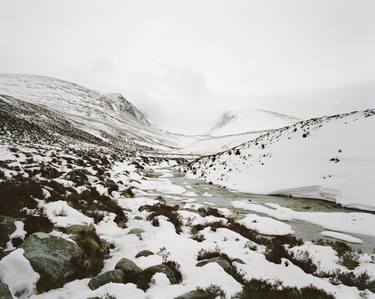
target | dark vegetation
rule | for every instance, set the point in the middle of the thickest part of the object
(162, 209)
(95, 251)
(262, 289)
(91, 202)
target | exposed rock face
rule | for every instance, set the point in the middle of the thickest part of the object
(4, 291)
(116, 276)
(55, 259)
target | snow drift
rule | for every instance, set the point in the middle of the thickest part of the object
(236, 122)
(330, 158)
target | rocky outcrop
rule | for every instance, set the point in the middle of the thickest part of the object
(57, 260)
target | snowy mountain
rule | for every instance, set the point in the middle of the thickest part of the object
(236, 122)
(330, 158)
(122, 104)
(109, 118)
(94, 203)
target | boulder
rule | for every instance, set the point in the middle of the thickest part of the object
(4, 291)
(116, 276)
(127, 265)
(130, 269)
(144, 253)
(56, 259)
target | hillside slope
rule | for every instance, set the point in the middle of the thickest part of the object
(236, 122)
(330, 158)
(111, 118)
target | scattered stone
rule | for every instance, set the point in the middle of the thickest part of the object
(138, 218)
(144, 253)
(116, 276)
(56, 260)
(4, 291)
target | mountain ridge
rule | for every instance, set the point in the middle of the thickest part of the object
(242, 121)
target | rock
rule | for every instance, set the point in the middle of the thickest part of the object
(144, 253)
(150, 271)
(116, 276)
(130, 269)
(55, 259)
(223, 263)
(127, 265)
(138, 218)
(136, 231)
(7, 227)
(4, 291)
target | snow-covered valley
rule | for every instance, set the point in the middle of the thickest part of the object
(95, 202)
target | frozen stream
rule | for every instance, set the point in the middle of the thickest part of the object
(200, 193)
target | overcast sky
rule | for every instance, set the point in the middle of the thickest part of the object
(184, 61)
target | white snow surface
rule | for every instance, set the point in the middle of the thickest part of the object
(17, 273)
(330, 158)
(64, 215)
(266, 225)
(356, 223)
(241, 121)
(341, 236)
